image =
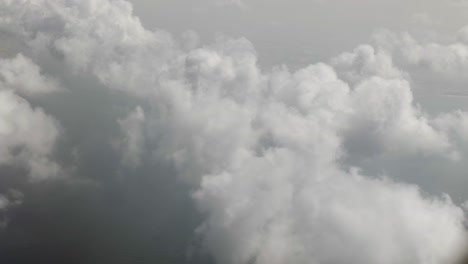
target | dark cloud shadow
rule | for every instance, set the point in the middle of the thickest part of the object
(140, 218)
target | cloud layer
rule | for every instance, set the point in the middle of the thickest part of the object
(261, 150)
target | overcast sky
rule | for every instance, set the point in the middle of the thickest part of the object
(233, 131)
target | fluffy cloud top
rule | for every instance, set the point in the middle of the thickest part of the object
(19, 144)
(446, 59)
(24, 76)
(28, 135)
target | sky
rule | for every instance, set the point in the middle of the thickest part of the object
(233, 131)
(300, 32)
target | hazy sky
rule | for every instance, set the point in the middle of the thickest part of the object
(233, 132)
(299, 32)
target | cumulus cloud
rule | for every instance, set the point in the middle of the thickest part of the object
(19, 145)
(24, 76)
(364, 62)
(324, 221)
(261, 148)
(28, 135)
(449, 60)
(438, 66)
(386, 118)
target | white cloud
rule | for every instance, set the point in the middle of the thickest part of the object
(271, 217)
(28, 136)
(24, 76)
(386, 117)
(365, 62)
(262, 148)
(446, 59)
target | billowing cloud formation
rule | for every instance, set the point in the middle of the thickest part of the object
(28, 135)
(23, 76)
(439, 65)
(365, 62)
(19, 144)
(262, 149)
(449, 60)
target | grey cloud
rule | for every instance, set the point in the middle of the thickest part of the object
(20, 77)
(455, 123)
(134, 137)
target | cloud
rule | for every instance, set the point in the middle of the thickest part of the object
(449, 60)
(365, 62)
(24, 76)
(261, 148)
(133, 144)
(8, 201)
(328, 220)
(455, 123)
(387, 117)
(28, 135)
(18, 145)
